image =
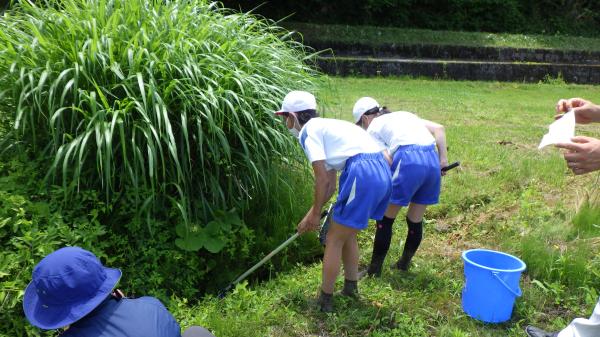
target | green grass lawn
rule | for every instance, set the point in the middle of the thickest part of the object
(371, 35)
(506, 195)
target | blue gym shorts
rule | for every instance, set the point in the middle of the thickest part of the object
(364, 190)
(416, 175)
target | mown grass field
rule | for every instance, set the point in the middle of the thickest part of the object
(507, 195)
(374, 36)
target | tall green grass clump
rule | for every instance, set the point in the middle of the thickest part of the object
(587, 220)
(164, 107)
(567, 253)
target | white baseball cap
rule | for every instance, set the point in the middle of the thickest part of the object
(363, 105)
(297, 101)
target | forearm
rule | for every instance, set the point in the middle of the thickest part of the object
(323, 193)
(440, 143)
(324, 188)
(439, 134)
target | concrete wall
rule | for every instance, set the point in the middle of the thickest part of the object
(460, 53)
(476, 71)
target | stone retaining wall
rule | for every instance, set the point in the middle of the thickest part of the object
(474, 71)
(460, 53)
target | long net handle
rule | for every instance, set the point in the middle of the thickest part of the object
(266, 258)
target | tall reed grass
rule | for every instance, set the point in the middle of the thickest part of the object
(169, 102)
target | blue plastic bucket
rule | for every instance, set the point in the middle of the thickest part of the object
(491, 284)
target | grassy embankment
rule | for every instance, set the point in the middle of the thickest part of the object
(372, 35)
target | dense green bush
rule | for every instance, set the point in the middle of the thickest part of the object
(163, 106)
(511, 16)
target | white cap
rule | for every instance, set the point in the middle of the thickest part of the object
(363, 105)
(297, 101)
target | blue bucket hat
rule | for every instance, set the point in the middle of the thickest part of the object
(66, 286)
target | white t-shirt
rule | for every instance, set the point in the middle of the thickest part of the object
(335, 141)
(399, 128)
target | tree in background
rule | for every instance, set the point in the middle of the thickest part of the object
(512, 16)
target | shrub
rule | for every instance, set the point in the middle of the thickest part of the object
(163, 106)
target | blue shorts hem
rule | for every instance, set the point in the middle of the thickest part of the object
(350, 224)
(426, 202)
(405, 203)
(402, 203)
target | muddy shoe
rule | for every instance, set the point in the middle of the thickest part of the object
(350, 289)
(535, 332)
(374, 269)
(404, 262)
(325, 302)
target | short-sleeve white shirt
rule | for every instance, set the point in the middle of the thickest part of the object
(335, 141)
(399, 128)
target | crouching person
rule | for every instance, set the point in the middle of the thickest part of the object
(364, 185)
(71, 290)
(416, 173)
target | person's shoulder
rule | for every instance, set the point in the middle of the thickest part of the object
(402, 114)
(321, 124)
(314, 123)
(379, 122)
(338, 123)
(147, 301)
(322, 121)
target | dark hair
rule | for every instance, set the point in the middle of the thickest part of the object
(371, 111)
(305, 115)
(377, 110)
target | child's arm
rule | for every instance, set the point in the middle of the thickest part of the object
(439, 133)
(324, 188)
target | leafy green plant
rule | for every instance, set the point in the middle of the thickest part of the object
(169, 102)
(28, 232)
(212, 237)
(548, 79)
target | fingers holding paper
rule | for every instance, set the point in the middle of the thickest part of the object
(582, 155)
(584, 110)
(565, 105)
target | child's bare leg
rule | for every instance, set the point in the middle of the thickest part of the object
(336, 239)
(350, 257)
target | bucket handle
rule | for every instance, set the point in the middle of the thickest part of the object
(517, 293)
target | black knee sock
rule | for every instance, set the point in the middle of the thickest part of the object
(383, 236)
(414, 236)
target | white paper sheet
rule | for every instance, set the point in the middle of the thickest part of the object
(561, 131)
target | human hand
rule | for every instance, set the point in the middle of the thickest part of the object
(443, 163)
(585, 111)
(583, 155)
(309, 223)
